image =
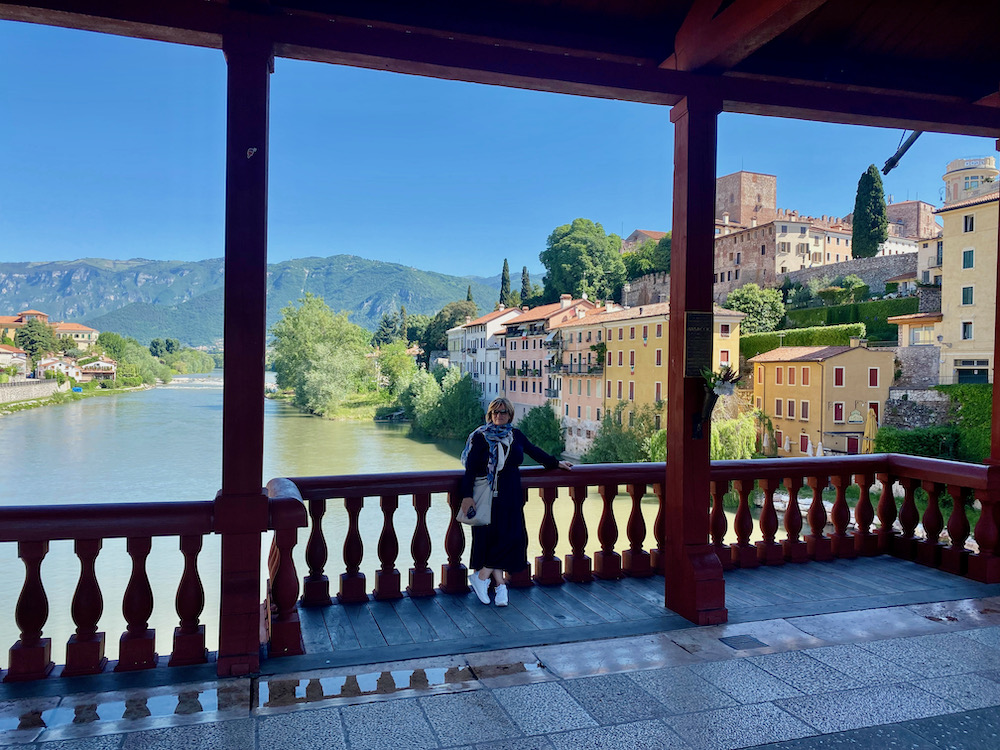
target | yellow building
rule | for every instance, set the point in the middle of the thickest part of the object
(968, 289)
(821, 394)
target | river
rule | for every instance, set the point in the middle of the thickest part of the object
(164, 444)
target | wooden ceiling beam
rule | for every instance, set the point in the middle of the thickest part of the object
(434, 53)
(711, 39)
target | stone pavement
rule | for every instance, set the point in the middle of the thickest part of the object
(922, 676)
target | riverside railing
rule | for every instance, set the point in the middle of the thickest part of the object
(817, 535)
(32, 528)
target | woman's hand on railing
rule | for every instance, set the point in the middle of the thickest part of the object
(565, 465)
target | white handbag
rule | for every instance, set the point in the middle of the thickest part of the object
(482, 499)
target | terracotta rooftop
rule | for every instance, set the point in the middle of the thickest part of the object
(914, 317)
(801, 353)
(490, 316)
(545, 312)
(992, 196)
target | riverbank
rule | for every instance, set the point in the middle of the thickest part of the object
(357, 407)
(64, 397)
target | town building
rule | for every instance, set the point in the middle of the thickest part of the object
(11, 356)
(821, 394)
(638, 237)
(83, 336)
(531, 348)
(483, 355)
(968, 269)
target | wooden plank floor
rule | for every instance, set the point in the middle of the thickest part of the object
(451, 624)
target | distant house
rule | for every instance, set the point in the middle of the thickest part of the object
(66, 365)
(11, 355)
(83, 336)
(639, 236)
(103, 368)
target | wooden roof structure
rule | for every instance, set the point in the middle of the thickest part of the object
(920, 64)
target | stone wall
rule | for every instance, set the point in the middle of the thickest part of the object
(27, 389)
(915, 408)
(648, 289)
(929, 299)
(873, 271)
(920, 366)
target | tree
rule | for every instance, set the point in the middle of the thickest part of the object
(468, 294)
(639, 262)
(435, 336)
(173, 346)
(620, 442)
(388, 329)
(157, 348)
(661, 254)
(525, 283)
(505, 285)
(67, 344)
(734, 439)
(36, 338)
(870, 225)
(415, 327)
(112, 343)
(541, 426)
(581, 259)
(763, 308)
(396, 366)
(403, 323)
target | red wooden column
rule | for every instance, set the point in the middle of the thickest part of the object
(995, 422)
(694, 585)
(241, 507)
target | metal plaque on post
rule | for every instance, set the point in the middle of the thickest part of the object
(697, 343)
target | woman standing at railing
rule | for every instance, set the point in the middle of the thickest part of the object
(495, 451)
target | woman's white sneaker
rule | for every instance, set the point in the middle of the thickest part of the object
(501, 591)
(481, 587)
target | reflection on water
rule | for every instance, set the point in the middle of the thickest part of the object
(164, 444)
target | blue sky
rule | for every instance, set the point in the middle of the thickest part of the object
(113, 148)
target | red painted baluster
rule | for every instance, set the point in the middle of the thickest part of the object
(841, 542)
(454, 575)
(719, 524)
(744, 553)
(316, 587)
(793, 547)
(85, 649)
(769, 552)
(635, 560)
(352, 582)
(985, 566)
(886, 515)
(955, 557)
(929, 550)
(607, 562)
(136, 648)
(387, 578)
(548, 567)
(865, 542)
(286, 630)
(577, 563)
(421, 576)
(522, 578)
(818, 545)
(189, 636)
(658, 556)
(30, 657)
(905, 545)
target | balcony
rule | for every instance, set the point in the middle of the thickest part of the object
(551, 393)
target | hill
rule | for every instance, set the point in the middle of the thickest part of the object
(184, 300)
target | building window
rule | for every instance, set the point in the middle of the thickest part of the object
(940, 252)
(968, 258)
(737, 274)
(659, 357)
(578, 412)
(925, 277)
(804, 411)
(760, 374)
(631, 332)
(738, 258)
(791, 376)
(758, 403)
(724, 358)
(763, 249)
(619, 390)
(609, 359)
(724, 330)
(621, 358)
(791, 409)
(631, 358)
(838, 411)
(609, 389)
(838, 377)
(969, 222)
(921, 336)
(966, 295)
(631, 390)
(657, 391)
(645, 332)
(621, 334)
(659, 330)
(967, 330)
(778, 438)
(803, 443)
(777, 407)
(567, 410)
(779, 374)
(599, 412)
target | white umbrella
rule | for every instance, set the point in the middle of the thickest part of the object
(788, 444)
(765, 443)
(819, 449)
(809, 448)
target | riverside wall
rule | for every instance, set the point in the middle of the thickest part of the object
(25, 390)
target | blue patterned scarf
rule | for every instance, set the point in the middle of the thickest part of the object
(496, 436)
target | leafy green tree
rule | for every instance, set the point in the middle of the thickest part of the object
(66, 345)
(580, 258)
(617, 441)
(435, 336)
(461, 411)
(172, 345)
(734, 439)
(505, 285)
(639, 262)
(36, 338)
(541, 426)
(6, 340)
(396, 366)
(468, 294)
(415, 327)
(763, 308)
(157, 347)
(661, 254)
(388, 329)
(870, 225)
(112, 344)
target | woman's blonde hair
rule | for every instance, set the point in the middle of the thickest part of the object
(496, 404)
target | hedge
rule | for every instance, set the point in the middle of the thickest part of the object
(940, 441)
(873, 314)
(752, 344)
(975, 412)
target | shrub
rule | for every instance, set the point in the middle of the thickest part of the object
(753, 344)
(939, 441)
(541, 426)
(975, 412)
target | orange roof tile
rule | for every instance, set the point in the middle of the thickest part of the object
(11, 349)
(991, 196)
(491, 316)
(33, 312)
(72, 327)
(544, 312)
(929, 317)
(803, 353)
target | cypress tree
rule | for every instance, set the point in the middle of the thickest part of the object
(870, 224)
(468, 294)
(505, 285)
(403, 325)
(525, 284)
